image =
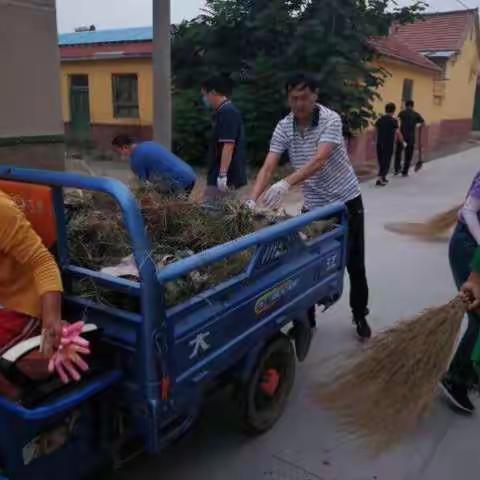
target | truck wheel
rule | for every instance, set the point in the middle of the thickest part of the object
(265, 394)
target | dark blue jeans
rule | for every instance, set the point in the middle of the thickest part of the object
(462, 249)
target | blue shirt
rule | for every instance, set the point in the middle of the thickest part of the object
(149, 160)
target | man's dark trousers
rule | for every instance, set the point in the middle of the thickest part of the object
(384, 158)
(356, 257)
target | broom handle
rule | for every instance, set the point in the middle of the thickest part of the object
(420, 151)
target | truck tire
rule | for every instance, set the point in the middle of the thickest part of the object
(265, 394)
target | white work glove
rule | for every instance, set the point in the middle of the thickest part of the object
(250, 204)
(275, 194)
(222, 183)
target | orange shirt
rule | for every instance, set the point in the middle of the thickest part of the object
(27, 268)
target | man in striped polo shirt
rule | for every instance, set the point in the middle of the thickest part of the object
(312, 135)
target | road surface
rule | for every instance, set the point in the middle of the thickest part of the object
(405, 275)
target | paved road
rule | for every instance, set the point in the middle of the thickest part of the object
(405, 275)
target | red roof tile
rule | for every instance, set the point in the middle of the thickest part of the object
(393, 48)
(112, 50)
(444, 31)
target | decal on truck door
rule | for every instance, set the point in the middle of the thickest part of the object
(267, 301)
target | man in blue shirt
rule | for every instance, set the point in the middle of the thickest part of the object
(151, 162)
(227, 154)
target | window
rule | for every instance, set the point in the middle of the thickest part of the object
(125, 96)
(407, 93)
(79, 81)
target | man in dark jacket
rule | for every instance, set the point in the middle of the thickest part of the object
(409, 121)
(387, 135)
(227, 154)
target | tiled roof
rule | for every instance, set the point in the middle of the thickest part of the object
(138, 34)
(438, 31)
(105, 51)
(393, 48)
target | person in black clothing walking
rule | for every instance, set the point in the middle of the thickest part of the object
(409, 121)
(387, 132)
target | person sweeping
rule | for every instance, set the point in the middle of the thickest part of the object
(471, 294)
(400, 370)
(31, 296)
(462, 375)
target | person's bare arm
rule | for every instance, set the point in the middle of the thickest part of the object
(399, 136)
(313, 166)
(51, 321)
(264, 175)
(227, 155)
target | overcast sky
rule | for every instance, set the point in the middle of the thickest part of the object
(134, 13)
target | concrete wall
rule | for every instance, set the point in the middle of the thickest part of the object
(30, 112)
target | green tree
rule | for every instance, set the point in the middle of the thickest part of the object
(260, 42)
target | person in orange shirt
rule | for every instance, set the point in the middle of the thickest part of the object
(31, 302)
(30, 283)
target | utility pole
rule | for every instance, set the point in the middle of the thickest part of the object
(162, 98)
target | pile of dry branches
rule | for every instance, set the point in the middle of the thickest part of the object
(177, 228)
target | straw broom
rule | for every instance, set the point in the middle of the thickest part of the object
(381, 397)
(437, 226)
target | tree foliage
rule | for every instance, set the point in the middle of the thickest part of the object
(259, 43)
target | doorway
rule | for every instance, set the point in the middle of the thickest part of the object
(79, 106)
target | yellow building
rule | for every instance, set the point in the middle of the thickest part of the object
(106, 79)
(449, 41)
(107, 83)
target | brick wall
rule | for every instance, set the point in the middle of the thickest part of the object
(435, 137)
(101, 135)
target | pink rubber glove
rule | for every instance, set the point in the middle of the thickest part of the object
(71, 334)
(67, 361)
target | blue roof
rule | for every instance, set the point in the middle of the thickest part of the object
(137, 34)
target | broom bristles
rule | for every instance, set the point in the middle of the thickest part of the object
(437, 226)
(383, 394)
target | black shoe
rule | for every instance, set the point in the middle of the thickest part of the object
(385, 180)
(380, 183)
(396, 173)
(418, 166)
(404, 174)
(363, 328)
(457, 395)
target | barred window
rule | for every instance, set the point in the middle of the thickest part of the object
(125, 96)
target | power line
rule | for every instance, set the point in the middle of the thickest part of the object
(463, 4)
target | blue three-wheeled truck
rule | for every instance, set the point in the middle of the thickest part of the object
(155, 367)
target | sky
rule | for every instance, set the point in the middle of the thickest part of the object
(135, 13)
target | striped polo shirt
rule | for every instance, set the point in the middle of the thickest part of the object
(336, 181)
